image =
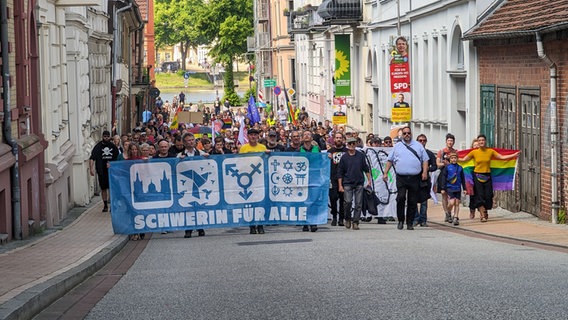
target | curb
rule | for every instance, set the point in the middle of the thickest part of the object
(30, 302)
(540, 243)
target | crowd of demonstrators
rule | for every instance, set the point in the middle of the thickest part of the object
(160, 136)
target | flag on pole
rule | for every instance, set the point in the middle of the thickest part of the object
(291, 113)
(243, 139)
(252, 111)
(174, 125)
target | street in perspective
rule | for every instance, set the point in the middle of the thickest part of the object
(283, 159)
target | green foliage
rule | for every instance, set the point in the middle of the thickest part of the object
(233, 97)
(174, 24)
(198, 79)
(251, 90)
(562, 216)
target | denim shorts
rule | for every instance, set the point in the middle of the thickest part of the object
(454, 194)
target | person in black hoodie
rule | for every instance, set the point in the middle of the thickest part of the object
(335, 196)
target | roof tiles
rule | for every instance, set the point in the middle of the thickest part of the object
(522, 17)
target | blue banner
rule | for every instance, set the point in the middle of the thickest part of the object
(219, 191)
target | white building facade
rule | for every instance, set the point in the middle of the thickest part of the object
(74, 53)
(443, 68)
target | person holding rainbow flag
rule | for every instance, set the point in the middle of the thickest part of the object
(482, 179)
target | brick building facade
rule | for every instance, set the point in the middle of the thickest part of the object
(522, 50)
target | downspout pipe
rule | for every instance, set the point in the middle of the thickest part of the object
(7, 125)
(555, 205)
(115, 56)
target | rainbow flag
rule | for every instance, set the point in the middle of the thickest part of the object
(291, 114)
(503, 172)
(174, 125)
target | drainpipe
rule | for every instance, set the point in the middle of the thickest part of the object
(7, 125)
(553, 129)
(114, 57)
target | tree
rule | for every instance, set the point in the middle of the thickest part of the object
(174, 23)
(227, 24)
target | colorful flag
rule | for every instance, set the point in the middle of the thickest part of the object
(252, 112)
(174, 125)
(291, 112)
(503, 172)
(243, 139)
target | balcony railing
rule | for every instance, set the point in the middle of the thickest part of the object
(262, 10)
(305, 20)
(341, 12)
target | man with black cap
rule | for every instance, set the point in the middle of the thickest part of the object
(103, 152)
(250, 147)
(272, 142)
(353, 168)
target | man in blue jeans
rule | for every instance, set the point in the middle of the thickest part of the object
(353, 168)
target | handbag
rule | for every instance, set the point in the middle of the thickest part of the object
(370, 201)
(425, 185)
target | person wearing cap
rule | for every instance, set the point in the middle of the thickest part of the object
(272, 143)
(353, 168)
(103, 152)
(250, 147)
(411, 163)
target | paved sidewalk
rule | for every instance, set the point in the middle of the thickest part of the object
(504, 224)
(34, 275)
(37, 273)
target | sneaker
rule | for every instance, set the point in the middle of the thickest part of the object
(313, 228)
(448, 218)
(409, 227)
(305, 228)
(187, 234)
(252, 230)
(333, 223)
(348, 224)
(200, 232)
(381, 220)
(423, 224)
(369, 219)
(355, 226)
(415, 223)
(105, 209)
(340, 223)
(456, 221)
(260, 229)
